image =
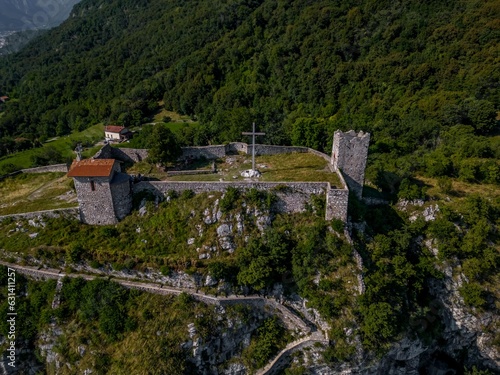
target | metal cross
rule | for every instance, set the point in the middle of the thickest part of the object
(253, 134)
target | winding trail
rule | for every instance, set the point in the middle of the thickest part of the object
(291, 320)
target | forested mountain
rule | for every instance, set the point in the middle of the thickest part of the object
(408, 72)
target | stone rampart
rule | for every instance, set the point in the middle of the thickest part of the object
(237, 147)
(219, 151)
(204, 152)
(337, 201)
(47, 169)
(73, 212)
(131, 155)
(292, 196)
(275, 150)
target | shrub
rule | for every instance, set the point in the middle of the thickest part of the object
(410, 190)
(473, 294)
(337, 225)
(9, 168)
(74, 253)
(229, 199)
(445, 185)
(187, 194)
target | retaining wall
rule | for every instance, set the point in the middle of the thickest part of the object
(207, 152)
(73, 212)
(133, 155)
(47, 168)
(292, 196)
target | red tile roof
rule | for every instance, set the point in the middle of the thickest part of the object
(4, 98)
(91, 168)
(114, 129)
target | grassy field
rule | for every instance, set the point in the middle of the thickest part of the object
(294, 167)
(174, 116)
(35, 192)
(460, 189)
(63, 144)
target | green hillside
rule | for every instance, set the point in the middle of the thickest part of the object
(423, 77)
(396, 69)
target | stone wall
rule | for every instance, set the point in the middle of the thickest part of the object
(336, 204)
(62, 212)
(96, 206)
(236, 147)
(337, 201)
(206, 152)
(292, 196)
(131, 155)
(122, 195)
(219, 151)
(275, 150)
(47, 168)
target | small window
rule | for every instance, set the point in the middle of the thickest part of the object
(92, 185)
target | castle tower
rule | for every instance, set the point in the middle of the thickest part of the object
(349, 154)
(104, 193)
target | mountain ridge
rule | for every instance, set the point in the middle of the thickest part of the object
(21, 15)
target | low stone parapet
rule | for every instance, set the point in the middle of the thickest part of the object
(73, 212)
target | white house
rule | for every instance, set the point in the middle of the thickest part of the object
(116, 133)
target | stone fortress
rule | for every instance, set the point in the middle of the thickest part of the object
(105, 193)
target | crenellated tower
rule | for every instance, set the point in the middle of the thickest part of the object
(349, 154)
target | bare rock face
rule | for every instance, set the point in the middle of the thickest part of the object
(224, 230)
(466, 331)
(250, 173)
(224, 343)
(236, 369)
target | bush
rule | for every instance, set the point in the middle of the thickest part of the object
(379, 324)
(445, 185)
(47, 156)
(74, 253)
(9, 168)
(229, 199)
(337, 225)
(270, 338)
(187, 194)
(473, 294)
(410, 190)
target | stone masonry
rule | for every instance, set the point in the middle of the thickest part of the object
(106, 200)
(349, 154)
(104, 193)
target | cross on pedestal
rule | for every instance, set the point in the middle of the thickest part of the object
(253, 134)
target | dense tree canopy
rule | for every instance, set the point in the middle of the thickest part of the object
(404, 71)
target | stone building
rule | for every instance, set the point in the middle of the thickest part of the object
(349, 154)
(104, 193)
